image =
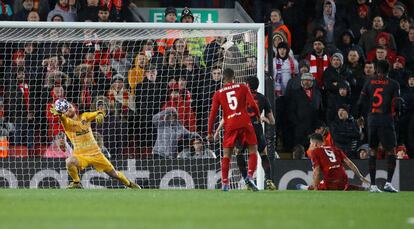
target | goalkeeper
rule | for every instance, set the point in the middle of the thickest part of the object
(85, 148)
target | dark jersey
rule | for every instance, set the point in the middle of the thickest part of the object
(263, 104)
(381, 93)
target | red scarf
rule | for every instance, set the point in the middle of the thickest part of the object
(309, 93)
(318, 66)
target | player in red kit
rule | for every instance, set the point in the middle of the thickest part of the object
(329, 161)
(234, 98)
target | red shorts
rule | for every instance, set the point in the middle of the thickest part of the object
(336, 186)
(245, 136)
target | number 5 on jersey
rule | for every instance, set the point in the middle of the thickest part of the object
(232, 100)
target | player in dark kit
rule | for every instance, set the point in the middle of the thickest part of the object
(264, 105)
(329, 160)
(381, 93)
(234, 99)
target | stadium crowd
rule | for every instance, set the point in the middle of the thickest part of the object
(320, 63)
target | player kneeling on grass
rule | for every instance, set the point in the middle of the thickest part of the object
(329, 160)
(85, 148)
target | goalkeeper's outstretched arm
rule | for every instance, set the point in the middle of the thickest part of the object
(98, 115)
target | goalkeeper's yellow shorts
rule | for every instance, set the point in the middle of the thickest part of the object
(98, 161)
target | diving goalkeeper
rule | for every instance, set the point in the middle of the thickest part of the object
(86, 151)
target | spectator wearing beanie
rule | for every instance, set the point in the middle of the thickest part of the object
(335, 75)
(186, 16)
(399, 73)
(393, 22)
(342, 97)
(285, 68)
(304, 109)
(170, 17)
(347, 42)
(383, 40)
(360, 22)
(345, 132)
(318, 60)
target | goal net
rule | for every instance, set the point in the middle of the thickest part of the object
(155, 81)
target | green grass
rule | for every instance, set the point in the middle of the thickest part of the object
(54, 208)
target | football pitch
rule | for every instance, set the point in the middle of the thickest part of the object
(122, 208)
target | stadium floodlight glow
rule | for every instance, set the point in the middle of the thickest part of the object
(113, 65)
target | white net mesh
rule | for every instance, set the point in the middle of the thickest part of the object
(137, 75)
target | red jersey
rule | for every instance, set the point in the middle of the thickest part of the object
(330, 160)
(234, 99)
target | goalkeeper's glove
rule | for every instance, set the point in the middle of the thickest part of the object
(100, 117)
(54, 111)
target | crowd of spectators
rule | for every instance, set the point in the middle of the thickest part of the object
(320, 63)
(337, 46)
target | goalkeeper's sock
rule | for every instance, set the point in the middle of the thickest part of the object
(252, 164)
(392, 161)
(241, 163)
(225, 165)
(123, 179)
(73, 172)
(372, 168)
(266, 166)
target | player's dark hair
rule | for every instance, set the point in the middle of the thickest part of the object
(382, 67)
(316, 137)
(253, 82)
(228, 74)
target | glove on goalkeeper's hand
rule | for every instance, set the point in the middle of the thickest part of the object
(54, 111)
(100, 118)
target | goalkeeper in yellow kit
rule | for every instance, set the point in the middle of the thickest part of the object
(86, 151)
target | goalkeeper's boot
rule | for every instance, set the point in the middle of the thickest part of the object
(250, 184)
(389, 188)
(225, 187)
(374, 188)
(133, 185)
(269, 185)
(75, 185)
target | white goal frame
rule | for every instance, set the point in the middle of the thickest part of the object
(259, 29)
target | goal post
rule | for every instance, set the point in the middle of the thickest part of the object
(134, 70)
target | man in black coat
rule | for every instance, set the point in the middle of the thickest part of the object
(345, 131)
(305, 107)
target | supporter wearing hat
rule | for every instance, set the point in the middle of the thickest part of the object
(187, 16)
(170, 15)
(398, 72)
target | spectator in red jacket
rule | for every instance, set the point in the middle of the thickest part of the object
(181, 101)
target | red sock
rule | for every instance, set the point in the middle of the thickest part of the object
(225, 166)
(252, 164)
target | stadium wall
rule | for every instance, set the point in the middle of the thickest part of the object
(178, 174)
